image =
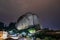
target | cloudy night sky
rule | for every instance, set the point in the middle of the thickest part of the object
(47, 10)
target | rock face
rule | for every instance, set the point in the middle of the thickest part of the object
(27, 20)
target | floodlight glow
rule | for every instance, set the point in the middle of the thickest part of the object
(11, 32)
(23, 33)
(5, 34)
(1, 35)
(15, 36)
(32, 30)
(29, 34)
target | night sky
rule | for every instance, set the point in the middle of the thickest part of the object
(47, 10)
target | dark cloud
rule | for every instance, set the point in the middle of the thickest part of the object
(47, 10)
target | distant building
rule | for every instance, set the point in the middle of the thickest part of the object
(27, 20)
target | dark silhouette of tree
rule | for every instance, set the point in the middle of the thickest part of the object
(11, 26)
(1, 26)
